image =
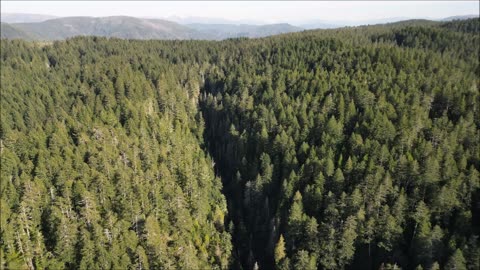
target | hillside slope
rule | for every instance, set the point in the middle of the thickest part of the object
(24, 17)
(119, 26)
(7, 31)
(137, 28)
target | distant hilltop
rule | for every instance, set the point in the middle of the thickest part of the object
(25, 17)
(134, 28)
(47, 27)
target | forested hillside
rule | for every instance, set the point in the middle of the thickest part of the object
(354, 148)
(102, 164)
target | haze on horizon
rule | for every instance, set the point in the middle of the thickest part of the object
(252, 12)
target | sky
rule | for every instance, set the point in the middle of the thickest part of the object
(253, 11)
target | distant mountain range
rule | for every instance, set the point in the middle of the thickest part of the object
(209, 20)
(322, 24)
(222, 31)
(25, 17)
(46, 27)
(462, 17)
(121, 27)
(135, 28)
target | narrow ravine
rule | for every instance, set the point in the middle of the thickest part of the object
(250, 248)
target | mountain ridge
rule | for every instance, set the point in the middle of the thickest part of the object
(25, 17)
(47, 28)
(134, 28)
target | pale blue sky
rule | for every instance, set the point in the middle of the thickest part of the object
(268, 12)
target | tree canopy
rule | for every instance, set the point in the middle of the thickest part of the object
(354, 148)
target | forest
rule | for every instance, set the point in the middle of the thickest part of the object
(349, 148)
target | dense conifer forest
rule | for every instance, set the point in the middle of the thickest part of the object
(352, 148)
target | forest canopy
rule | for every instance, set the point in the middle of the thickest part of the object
(351, 148)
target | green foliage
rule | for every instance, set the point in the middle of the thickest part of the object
(351, 148)
(102, 164)
(456, 261)
(280, 250)
(372, 134)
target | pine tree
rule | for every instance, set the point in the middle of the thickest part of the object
(280, 250)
